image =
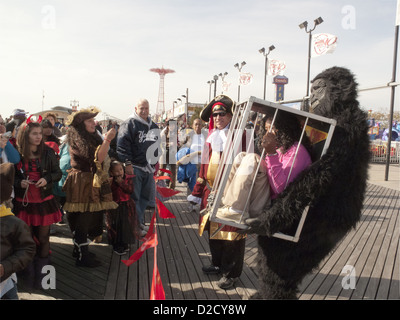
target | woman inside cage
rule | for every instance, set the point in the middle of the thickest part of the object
(282, 161)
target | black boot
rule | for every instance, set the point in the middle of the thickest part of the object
(75, 251)
(86, 258)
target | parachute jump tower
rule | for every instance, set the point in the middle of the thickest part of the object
(160, 103)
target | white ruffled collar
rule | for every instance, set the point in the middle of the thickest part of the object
(218, 138)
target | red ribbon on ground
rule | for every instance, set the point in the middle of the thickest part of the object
(157, 290)
(151, 240)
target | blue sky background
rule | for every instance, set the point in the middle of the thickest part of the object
(99, 52)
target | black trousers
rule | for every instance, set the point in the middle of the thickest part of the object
(228, 256)
(85, 225)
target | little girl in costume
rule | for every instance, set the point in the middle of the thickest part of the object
(121, 222)
(34, 201)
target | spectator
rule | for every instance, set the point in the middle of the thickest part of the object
(49, 137)
(196, 142)
(52, 117)
(109, 125)
(34, 202)
(17, 247)
(252, 120)
(169, 144)
(65, 165)
(136, 135)
(192, 157)
(99, 127)
(7, 151)
(19, 116)
(113, 144)
(11, 127)
(87, 187)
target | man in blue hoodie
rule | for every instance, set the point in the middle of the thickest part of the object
(137, 147)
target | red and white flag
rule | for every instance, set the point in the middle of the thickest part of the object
(225, 86)
(245, 78)
(323, 43)
(276, 67)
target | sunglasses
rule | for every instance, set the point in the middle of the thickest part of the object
(221, 114)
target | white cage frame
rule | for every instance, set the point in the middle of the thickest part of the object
(233, 143)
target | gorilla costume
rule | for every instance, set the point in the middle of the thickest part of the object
(333, 186)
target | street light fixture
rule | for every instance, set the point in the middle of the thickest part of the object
(262, 51)
(304, 25)
(236, 65)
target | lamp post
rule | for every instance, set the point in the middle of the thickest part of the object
(186, 104)
(262, 51)
(240, 69)
(223, 75)
(215, 85)
(209, 92)
(304, 26)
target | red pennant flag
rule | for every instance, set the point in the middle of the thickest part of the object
(163, 211)
(166, 192)
(162, 178)
(149, 241)
(166, 171)
(157, 289)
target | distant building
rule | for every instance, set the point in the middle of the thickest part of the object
(178, 111)
(61, 113)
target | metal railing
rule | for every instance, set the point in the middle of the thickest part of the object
(378, 151)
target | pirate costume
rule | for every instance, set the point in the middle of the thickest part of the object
(226, 245)
(87, 188)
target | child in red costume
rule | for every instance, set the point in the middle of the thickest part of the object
(121, 222)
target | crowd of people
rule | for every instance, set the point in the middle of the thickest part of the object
(94, 179)
(74, 173)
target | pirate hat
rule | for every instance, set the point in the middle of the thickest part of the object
(221, 102)
(78, 117)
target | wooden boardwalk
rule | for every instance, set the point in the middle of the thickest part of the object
(372, 249)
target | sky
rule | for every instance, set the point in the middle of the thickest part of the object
(100, 52)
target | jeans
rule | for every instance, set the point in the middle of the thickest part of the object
(11, 294)
(142, 183)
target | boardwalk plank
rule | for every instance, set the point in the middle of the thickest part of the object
(317, 284)
(368, 258)
(372, 248)
(382, 258)
(356, 258)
